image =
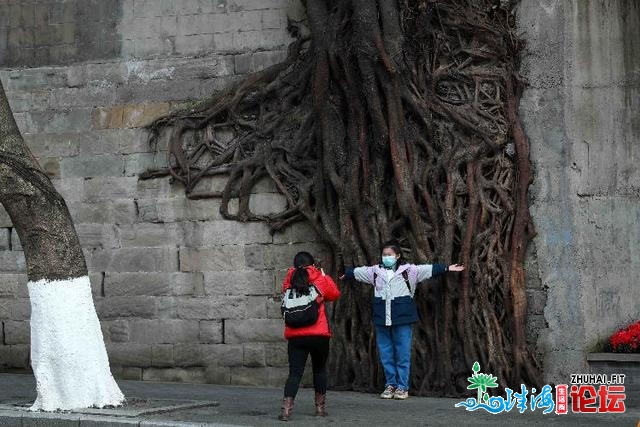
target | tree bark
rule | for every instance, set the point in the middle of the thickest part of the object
(68, 354)
(37, 211)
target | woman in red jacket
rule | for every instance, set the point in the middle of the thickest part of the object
(313, 339)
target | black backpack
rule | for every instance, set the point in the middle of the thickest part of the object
(299, 310)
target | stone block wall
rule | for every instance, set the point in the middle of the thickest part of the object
(182, 294)
(52, 32)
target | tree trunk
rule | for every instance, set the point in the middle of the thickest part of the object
(68, 354)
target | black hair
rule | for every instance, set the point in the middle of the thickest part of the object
(395, 246)
(300, 278)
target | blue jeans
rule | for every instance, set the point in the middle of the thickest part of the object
(394, 346)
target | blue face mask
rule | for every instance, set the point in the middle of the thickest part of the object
(389, 261)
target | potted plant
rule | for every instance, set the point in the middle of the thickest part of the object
(621, 356)
(626, 340)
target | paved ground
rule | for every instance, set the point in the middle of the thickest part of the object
(243, 406)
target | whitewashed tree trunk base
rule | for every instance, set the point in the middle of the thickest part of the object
(68, 355)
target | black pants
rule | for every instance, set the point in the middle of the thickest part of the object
(299, 349)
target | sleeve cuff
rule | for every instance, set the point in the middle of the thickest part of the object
(439, 269)
(349, 273)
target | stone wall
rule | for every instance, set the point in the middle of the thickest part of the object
(581, 115)
(48, 32)
(182, 294)
(44, 32)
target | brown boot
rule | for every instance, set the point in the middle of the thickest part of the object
(321, 401)
(287, 407)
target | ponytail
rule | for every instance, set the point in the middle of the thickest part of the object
(300, 277)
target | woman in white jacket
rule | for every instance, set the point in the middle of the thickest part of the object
(394, 311)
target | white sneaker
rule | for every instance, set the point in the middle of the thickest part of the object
(388, 392)
(400, 394)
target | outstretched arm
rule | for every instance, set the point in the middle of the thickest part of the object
(330, 291)
(426, 271)
(348, 274)
(361, 274)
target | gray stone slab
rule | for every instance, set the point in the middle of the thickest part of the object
(126, 306)
(221, 307)
(211, 331)
(5, 221)
(178, 209)
(190, 375)
(253, 330)
(164, 331)
(617, 357)
(10, 418)
(226, 232)
(153, 283)
(192, 354)
(12, 262)
(229, 257)
(13, 286)
(99, 421)
(16, 332)
(134, 259)
(5, 239)
(15, 240)
(43, 419)
(127, 415)
(88, 167)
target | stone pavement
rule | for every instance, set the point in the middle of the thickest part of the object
(180, 404)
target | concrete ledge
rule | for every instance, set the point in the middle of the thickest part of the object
(42, 419)
(613, 357)
(619, 363)
(133, 408)
(10, 418)
(17, 414)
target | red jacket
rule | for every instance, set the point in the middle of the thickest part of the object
(329, 291)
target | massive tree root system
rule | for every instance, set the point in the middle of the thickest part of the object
(390, 120)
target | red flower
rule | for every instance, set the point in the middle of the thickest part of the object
(626, 340)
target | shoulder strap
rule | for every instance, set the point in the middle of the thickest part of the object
(291, 292)
(405, 275)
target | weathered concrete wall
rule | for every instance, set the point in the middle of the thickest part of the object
(581, 115)
(182, 294)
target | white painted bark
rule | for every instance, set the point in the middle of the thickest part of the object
(68, 355)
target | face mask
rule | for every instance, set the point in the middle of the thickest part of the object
(389, 261)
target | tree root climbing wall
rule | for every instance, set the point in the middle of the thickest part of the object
(390, 119)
